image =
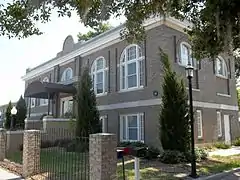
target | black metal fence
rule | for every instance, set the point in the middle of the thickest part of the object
(64, 156)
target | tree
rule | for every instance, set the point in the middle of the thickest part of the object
(216, 23)
(174, 120)
(101, 28)
(21, 112)
(87, 114)
(8, 117)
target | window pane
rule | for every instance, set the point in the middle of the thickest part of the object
(93, 80)
(219, 67)
(99, 88)
(141, 72)
(123, 128)
(132, 81)
(139, 52)
(99, 77)
(123, 77)
(184, 55)
(132, 121)
(132, 68)
(133, 134)
(142, 127)
(100, 64)
(131, 53)
(106, 81)
(68, 74)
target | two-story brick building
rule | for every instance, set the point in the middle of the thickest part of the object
(127, 81)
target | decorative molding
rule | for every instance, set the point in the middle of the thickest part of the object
(154, 102)
(104, 40)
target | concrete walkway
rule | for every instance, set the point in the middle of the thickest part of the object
(5, 175)
(225, 152)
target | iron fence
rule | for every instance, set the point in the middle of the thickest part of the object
(64, 156)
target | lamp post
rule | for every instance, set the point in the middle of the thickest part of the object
(189, 74)
(13, 113)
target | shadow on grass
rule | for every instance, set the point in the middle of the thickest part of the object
(217, 164)
(153, 170)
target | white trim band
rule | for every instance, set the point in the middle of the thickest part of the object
(154, 102)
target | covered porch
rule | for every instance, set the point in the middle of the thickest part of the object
(49, 91)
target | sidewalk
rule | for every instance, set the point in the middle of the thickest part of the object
(226, 152)
(5, 175)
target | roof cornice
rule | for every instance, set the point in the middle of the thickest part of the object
(99, 42)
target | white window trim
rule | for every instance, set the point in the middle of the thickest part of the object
(219, 114)
(224, 68)
(63, 77)
(104, 70)
(199, 113)
(126, 127)
(125, 63)
(193, 63)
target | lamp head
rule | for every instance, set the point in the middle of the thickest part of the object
(189, 71)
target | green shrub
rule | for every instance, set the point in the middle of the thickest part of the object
(221, 145)
(236, 142)
(132, 144)
(77, 145)
(201, 154)
(46, 144)
(172, 157)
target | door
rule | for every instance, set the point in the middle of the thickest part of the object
(227, 129)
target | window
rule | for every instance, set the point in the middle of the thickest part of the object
(99, 76)
(67, 75)
(44, 101)
(199, 124)
(66, 106)
(131, 68)
(221, 67)
(219, 124)
(132, 127)
(33, 102)
(186, 55)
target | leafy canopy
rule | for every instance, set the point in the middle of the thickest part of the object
(101, 28)
(216, 23)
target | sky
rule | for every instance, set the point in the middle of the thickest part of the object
(18, 55)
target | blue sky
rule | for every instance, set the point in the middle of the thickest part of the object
(17, 55)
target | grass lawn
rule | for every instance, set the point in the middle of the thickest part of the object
(216, 164)
(76, 164)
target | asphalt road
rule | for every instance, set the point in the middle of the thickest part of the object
(233, 175)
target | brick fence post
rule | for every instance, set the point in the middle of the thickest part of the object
(3, 139)
(103, 156)
(31, 152)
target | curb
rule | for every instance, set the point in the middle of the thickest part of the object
(219, 175)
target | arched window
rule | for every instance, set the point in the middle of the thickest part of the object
(131, 67)
(221, 67)
(67, 74)
(46, 79)
(186, 55)
(99, 75)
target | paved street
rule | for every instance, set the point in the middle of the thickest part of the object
(5, 175)
(233, 175)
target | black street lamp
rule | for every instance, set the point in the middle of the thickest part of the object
(189, 74)
(13, 113)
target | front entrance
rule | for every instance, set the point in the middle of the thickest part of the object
(227, 129)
